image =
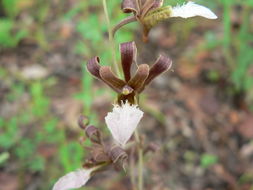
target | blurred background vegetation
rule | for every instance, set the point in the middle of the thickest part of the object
(44, 87)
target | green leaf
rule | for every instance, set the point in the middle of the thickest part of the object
(7, 37)
(208, 160)
(40, 101)
(90, 29)
(4, 157)
(71, 156)
(11, 7)
(50, 126)
(25, 149)
(37, 164)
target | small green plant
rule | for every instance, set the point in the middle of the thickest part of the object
(208, 160)
(21, 141)
(10, 31)
(8, 36)
(11, 7)
(40, 101)
(237, 46)
(4, 157)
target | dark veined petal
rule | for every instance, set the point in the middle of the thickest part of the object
(94, 67)
(128, 56)
(108, 77)
(83, 122)
(147, 6)
(93, 134)
(98, 154)
(162, 64)
(118, 154)
(111, 79)
(140, 77)
(129, 6)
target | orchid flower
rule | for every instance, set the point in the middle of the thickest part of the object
(150, 12)
(124, 118)
(130, 87)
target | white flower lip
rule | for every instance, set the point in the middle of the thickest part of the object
(122, 122)
(75, 179)
(192, 9)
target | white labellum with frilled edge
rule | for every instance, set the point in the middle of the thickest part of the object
(75, 179)
(192, 9)
(122, 121)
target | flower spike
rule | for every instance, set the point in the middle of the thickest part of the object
(122, 121)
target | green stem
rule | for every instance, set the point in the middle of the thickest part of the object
(116, 66)
(132, 170)
(227, 34)
(140, 180)
(140, 161)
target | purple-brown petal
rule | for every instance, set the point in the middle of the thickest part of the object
(129, 6)
(111, 79)
(140, 77)
(128, 56)
(147, 5)
(83, 122)
(99, 155)
(117, 154)
(162, 64)
(93, 134)
(93, 66)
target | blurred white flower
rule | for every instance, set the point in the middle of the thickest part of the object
(75, 179)
(192, 9)
(34, 72)
(122, 121)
